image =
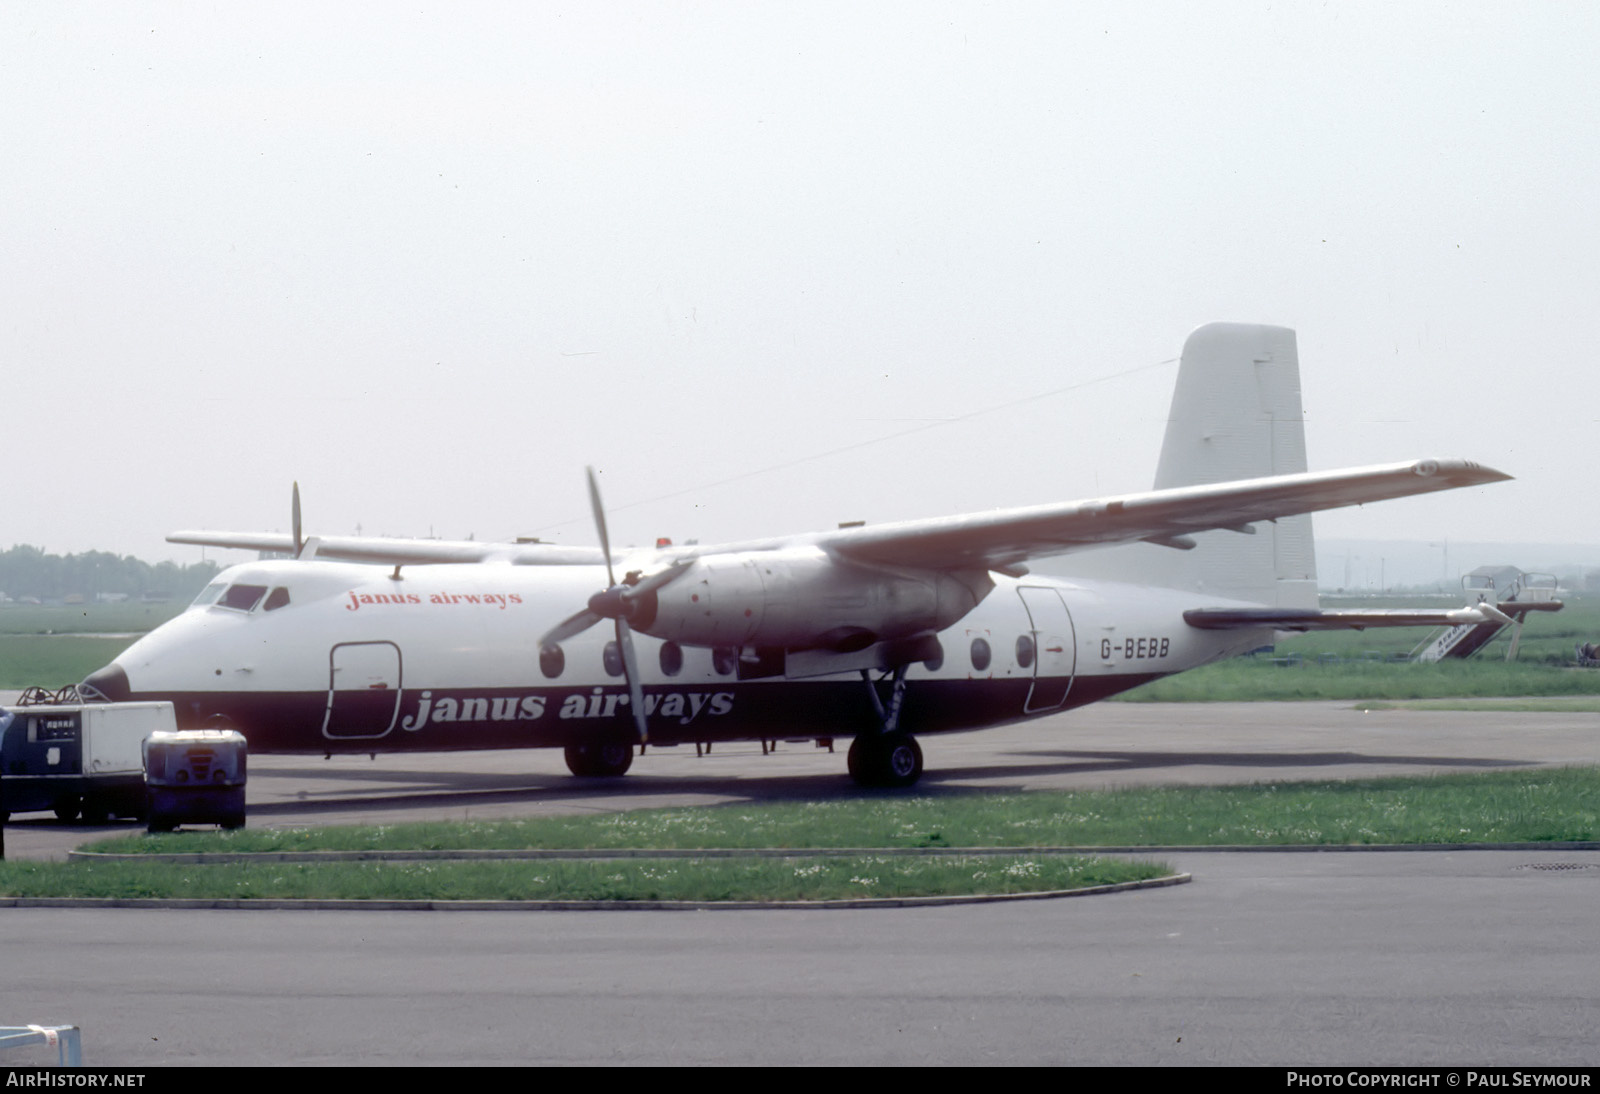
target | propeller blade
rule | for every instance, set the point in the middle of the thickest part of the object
(569, 627)
(600, 524)
(630, 673)
(615, 599)
(294, 516)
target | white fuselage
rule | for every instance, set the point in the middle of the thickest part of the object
(306, 656)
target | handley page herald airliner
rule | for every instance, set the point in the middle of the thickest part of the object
(872, 632)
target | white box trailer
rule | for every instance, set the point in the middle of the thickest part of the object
(77, 758)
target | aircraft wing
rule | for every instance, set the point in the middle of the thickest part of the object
(399, 552)
(1006, 537)
(994, 540)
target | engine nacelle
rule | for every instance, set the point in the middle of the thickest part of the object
(804, 598)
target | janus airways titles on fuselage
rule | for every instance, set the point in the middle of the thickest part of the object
(493, 600)
(685, 706)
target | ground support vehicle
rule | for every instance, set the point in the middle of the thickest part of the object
(194, 776)
(76, 758)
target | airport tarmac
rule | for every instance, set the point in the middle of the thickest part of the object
(1455, 958)
(1280, 958)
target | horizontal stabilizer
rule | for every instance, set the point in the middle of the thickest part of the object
(1312, 619)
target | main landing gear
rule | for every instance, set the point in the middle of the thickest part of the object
(889, 757)
(885, 760)
(605, 759)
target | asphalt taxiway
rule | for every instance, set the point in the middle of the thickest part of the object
(1288, 957)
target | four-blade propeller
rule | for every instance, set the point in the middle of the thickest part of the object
(633, 599)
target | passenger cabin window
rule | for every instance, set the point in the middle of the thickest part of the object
(671, 658)
(276, 599)
(980, 654)
(242, 598)
(1025, 651)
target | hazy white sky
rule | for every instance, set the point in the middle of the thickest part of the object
(432, 262)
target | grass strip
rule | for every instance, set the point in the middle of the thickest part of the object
(798, 878)
(1537, 805)
(26, 661)
(1251, 679)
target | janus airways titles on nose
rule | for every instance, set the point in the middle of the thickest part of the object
(875, 633)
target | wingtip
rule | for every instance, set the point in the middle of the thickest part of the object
(1460, 472)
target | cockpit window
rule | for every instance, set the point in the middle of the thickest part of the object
(242, 598)
(209, 594)
(276, 599)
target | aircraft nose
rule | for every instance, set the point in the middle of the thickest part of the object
(110, 682)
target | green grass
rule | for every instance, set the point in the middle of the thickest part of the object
(1535, 806)
(798, 878)
(125, 618)
(1245, 679)
(1522, 806)
(52, 662)
(46, 645)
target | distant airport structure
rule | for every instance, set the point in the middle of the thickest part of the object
(1512, 593)
(1375, 566)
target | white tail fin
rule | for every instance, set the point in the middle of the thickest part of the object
(1235, 414)
(1235, 409)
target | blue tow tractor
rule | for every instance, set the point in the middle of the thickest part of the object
(194, 776)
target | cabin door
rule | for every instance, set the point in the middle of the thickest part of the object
(363, 690)
(1055, 647)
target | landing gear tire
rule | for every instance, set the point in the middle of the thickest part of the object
(603, 760)
(66, 808)
(891, 761)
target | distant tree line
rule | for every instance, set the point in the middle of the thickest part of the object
(29, 572)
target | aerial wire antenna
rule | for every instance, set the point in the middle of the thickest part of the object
(857, 445)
